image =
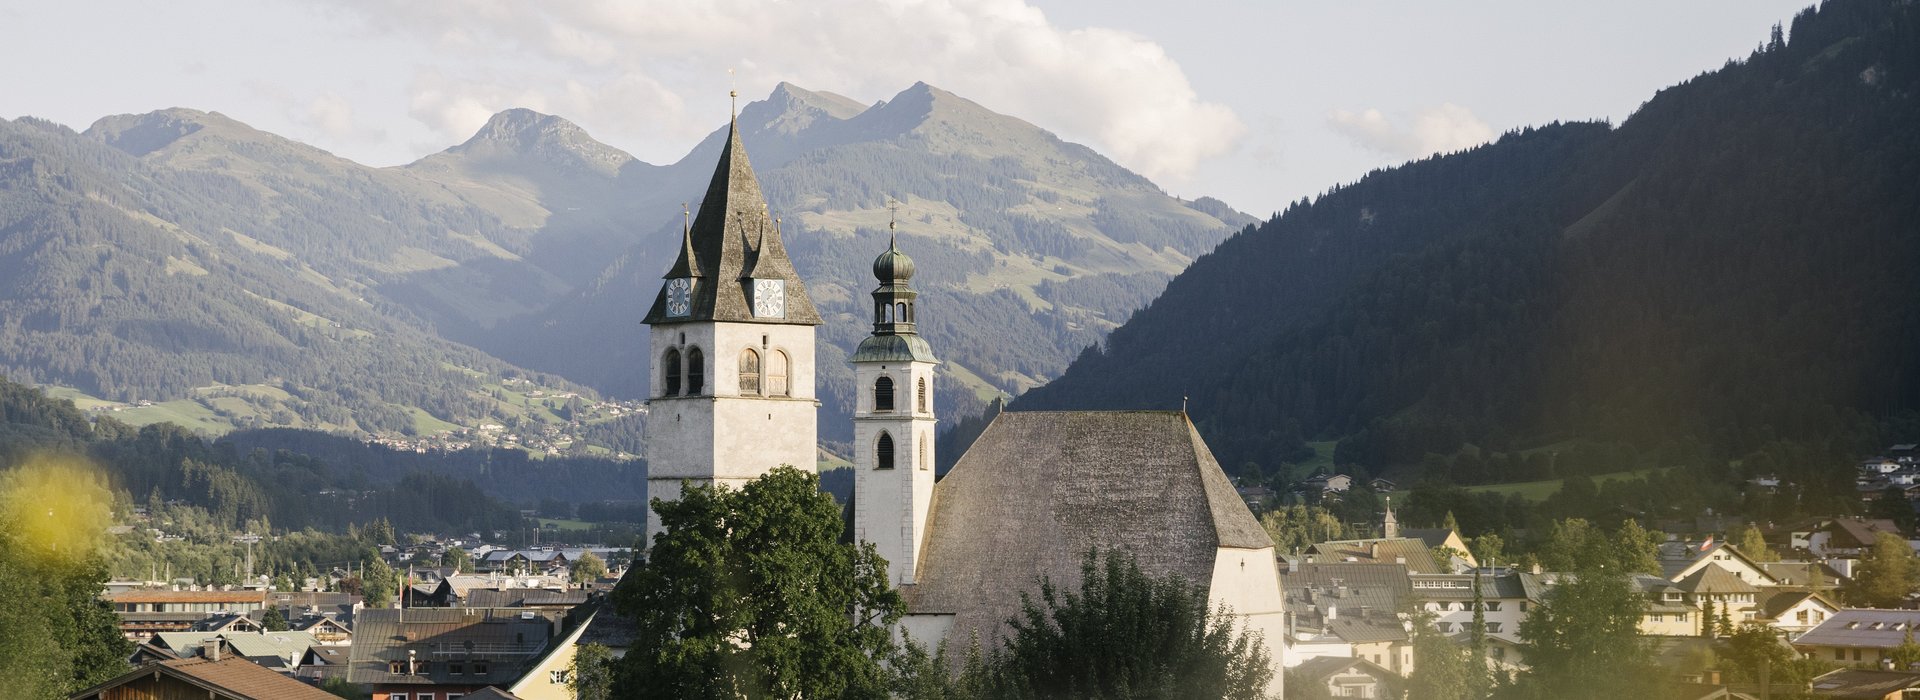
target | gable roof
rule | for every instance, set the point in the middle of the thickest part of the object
(1039, 489)
(1800, 573)
(1862, 627)
(1320, 667)
(1775, 602)
(1714, 579)
(1677, 557)
(232, 677)
(732, 241)
(1861, 532)
(1362, 630)
(1861, 683)
(1353, 589)
(507, 639)
(1398, 550)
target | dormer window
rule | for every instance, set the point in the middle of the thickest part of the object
(883, 394)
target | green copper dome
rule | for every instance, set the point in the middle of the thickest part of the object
(893, 266)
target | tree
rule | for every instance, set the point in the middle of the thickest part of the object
(1886, 574)
(1755, 650)
(340, 686)
(272, 621)
(56, 635)
(1583, 640)
(1126, 634)
(751, 593)
(587, 568)
(590, 676)
(1905, 655)
(1488, 548)
(1441, 669)
(1635, 549)
(457, 559)
(378, 582)
(1754, 545)
(1298, 527)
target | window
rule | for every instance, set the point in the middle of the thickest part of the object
(923, 455)
(884, 452)
(1656, 617)
(1493, 627)
(696, 372)
(923, 395)
(1839, 655)
(777, 365)
(557, 677)
(670, 369)
(424, 696)
(883, 394)
(1493, 606)
(1445, 627)
(1682, 617)
(397, 696)
(455, 668)
(396, 667)
(900, 313)
(749, 372)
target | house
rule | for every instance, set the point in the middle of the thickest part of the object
(1349, 610)
(526, 598)
(173, 607)
(1329, 483)
(325, 629)
(1436, 537)
(212, 678)
(1858, 635)
(437, 653)
(273, 650)
(1852, 683)
(1381, 485)
(1668, 612)
(547, 678)
(1804, 575)
(1849, 537)
(1681, 560)
(1348, 677)
(1409, 552)
(1794, 611)
(1505, 600)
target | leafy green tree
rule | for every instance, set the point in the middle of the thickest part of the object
(340, 686)
(1488, 548)
(1126, 634)
(272, 621)
(378, 582)
(1754, 545)
(1583, 641)
(587, 568)
(590, 676)
(751, 593)
(1886, 575)
(1635, 549)
(1442, 670)
(1756, 649)
(1297, 527)
(56, 635)
(1905, 655)
(457, 559)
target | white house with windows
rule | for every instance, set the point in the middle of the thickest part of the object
(1505, 600)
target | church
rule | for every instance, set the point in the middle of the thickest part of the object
(733, 396)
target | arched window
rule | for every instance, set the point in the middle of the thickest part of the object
(670, 372)
(900, 312)
(923, 455)
(777, 366)
(883, 394)
(749, 371)
(696, 372)
(884, 452)
(923, 395)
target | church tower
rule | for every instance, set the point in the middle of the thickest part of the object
(893, 422)
(732, 339)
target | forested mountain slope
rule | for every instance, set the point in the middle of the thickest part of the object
(1736, 264)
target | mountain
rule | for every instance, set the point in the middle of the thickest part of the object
(1044, 242)
(1732, 267)
(238, 279)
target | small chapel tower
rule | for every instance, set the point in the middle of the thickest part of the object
(893, 422)
(732, 336)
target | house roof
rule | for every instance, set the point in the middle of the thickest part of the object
(506, 638)
(1353, 588)
(1399, 550)
(151, 596)
(1775, 602)
(1861, 683)
(1432, 536)
(1862, 627)
(253, 645)
(232, 677)
(1714, 579)
(1861, 532)
(1040, 489)
(524, 597)
(490, 693)
(1460, 587)
(1320, 667)
(1800, 573)
(1353, 630)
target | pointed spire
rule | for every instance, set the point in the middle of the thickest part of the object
(688, 264)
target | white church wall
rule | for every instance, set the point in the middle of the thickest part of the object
(1248, 581)
(927, 630)
(892, 507)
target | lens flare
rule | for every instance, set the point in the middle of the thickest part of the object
(55, 506)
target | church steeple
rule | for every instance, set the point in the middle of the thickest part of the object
(735, 264)
(893, 421)
(1390, 527)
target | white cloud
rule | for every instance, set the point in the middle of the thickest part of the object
(628, 70)
(333, 116)
(1448, 127)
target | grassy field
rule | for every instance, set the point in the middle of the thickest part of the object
(1540, 490)
(1322, 459)
(557, 524)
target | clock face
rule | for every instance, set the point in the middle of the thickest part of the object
(770, 298)
(679, 297)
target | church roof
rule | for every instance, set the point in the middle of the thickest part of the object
(1039, 489)
(893, 348)
(734, 240)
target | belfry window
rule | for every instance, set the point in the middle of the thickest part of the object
(749, 371)
(923, 395)
(900, 313)
(670, 372)
(777, 366)
(883, 394)
(696, 372)
(883, 452)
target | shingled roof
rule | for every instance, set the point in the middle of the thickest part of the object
(228, 678)
(1038, 490)
(732, 241)
(505, 639)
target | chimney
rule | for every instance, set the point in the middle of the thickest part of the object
(1333, 613)
(210, 649)
(412, 668)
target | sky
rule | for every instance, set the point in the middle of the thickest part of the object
(1257, 103)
